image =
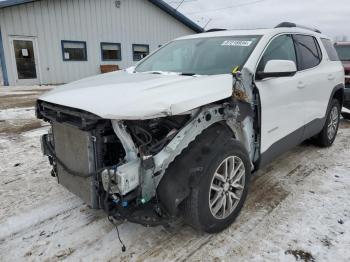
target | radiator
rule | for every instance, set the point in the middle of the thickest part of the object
(76, 149)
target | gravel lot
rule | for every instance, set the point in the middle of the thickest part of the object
(298, 207)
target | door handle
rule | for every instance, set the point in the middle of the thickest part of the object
(301, 85)
(331, 77)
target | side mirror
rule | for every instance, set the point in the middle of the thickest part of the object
(278, 68)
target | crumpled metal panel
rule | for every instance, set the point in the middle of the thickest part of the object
(122, 95)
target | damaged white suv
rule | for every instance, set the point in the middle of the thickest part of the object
(181, 133)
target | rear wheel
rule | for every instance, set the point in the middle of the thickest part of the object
(216, 200)
(327, 136)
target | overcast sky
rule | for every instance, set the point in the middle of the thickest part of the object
(332, 17)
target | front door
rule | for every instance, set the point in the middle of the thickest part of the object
(282, 108)
(25, 60)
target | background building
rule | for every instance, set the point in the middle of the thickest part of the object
(58, 41)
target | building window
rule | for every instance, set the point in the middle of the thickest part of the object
(111, 51)
(74, 50)
(139, 51)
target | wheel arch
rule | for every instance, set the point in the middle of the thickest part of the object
(338, 93)
(176, 186)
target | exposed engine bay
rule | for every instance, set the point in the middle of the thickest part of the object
(117, 165)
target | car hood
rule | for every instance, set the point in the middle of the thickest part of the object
(124, 95)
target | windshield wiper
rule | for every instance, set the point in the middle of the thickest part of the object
(187, 74)
(158, 72)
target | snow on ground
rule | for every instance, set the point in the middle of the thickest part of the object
(17, 108)
(298, 208)
(17, 113)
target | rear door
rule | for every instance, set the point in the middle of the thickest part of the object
(282, 108)
(313, 75)
(318, 75)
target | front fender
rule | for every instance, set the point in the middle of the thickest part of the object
(185, 171)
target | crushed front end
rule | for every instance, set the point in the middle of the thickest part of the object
(109, 164)
(120, 165)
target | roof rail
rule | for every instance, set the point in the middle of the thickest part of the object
(215, 30)
(289, 24)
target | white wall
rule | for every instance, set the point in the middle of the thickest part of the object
(1, 77)
(93, 21)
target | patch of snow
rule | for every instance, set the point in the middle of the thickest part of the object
(17, 113)
(10, 92)
(18, 223)
(36, 132)
(299, 204)
(345, 110)
(23, 89)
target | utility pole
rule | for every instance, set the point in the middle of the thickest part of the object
(207, 23)
(179, 4)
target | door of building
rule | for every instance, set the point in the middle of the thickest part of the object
(25, 60)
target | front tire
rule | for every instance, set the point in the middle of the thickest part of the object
(329, 132)
(216, 200)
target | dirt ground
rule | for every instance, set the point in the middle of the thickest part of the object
(298, 208)
(19, 97)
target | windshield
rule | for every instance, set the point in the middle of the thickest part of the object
(343, 52)
(201, 56)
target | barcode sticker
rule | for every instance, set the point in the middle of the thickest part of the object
(237, 43)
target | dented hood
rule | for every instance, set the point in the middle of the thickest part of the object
(123, 95)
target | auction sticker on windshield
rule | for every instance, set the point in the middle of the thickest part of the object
(237, 43)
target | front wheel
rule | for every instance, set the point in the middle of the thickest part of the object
(327, 136)
(215, 202)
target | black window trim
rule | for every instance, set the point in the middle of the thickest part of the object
(133, 46)
(74, 42)
(319, 51)
(111, 43)
(268, 44)
(295, 48)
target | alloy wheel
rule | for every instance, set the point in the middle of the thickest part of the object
(226, 187)
(333, 123)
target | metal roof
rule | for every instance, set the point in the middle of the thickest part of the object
(8, 3)
(177, 15)
(159, 3)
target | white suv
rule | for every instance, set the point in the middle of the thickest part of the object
(181, 133)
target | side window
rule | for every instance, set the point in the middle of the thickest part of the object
(332, 53)
(280, 48)
(74, 50)
(308, 52)
(111, 51)
(139, 51)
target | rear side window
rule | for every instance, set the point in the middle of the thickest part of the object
(280, 48)
(308, 52)
(332, 53)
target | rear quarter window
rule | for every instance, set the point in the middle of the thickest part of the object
(332, 53)
(308, 51)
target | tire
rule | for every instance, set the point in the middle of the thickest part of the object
(212, 149)
(329, 132)
(346, 115)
